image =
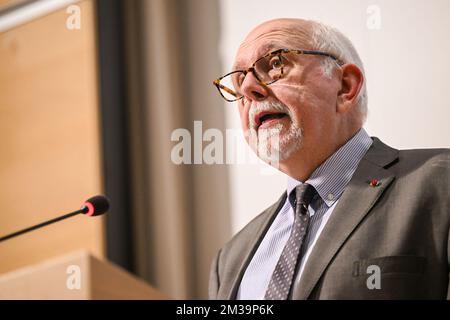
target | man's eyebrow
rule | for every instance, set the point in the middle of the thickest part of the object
(237, 66)
(261, 51)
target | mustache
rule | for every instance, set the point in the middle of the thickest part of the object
(266, 106)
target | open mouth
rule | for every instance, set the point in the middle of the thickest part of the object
(265, 119)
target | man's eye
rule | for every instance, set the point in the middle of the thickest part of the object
(276, 63)
(237, 79)
(241, 79)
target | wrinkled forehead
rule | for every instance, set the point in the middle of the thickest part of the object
(269, 37)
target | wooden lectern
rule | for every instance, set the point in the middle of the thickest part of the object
(79, 275)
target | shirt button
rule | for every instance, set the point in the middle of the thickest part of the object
(330, 196)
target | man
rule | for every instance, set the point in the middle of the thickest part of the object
(359, 219)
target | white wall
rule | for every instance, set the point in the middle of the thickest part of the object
(407, 63)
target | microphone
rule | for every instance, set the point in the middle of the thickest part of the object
(94, 206)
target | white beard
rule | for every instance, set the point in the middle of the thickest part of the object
(276, 143)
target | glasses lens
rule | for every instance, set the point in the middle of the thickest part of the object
(269, 68)
(229, 84)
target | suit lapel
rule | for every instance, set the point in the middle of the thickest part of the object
(356, 201)
(249, 248)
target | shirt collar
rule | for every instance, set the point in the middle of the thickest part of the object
(331, 177)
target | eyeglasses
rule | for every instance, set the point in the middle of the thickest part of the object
(267, 70)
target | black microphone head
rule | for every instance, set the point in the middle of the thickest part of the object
(96, 206)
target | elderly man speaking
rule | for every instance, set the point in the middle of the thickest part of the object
(359, 219)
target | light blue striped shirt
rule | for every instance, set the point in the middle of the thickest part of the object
(329, 180)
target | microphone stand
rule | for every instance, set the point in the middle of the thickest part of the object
(43, 224)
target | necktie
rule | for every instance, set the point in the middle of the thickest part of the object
(281, 281)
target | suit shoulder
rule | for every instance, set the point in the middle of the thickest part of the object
(430, 158)
(426, 153)
(425, 167)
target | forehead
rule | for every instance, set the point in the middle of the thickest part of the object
(270, 37)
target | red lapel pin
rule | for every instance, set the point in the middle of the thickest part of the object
(374, 183)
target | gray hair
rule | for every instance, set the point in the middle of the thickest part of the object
(331, 40)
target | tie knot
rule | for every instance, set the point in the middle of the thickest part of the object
(303, 195)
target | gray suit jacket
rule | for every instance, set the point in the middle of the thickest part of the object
(401, 226)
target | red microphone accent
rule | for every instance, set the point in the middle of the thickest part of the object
(90, 207)
(96, 206)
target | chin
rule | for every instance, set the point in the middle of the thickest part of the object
(277, 143)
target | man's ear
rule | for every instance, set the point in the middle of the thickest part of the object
(351, 83)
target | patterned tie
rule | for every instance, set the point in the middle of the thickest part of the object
(281, 281)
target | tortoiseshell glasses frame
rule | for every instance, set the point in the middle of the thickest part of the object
(267, 70)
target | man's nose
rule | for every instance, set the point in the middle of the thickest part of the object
(252, 89)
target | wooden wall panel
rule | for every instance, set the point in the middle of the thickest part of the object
(50, 157)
